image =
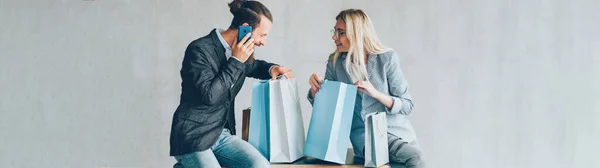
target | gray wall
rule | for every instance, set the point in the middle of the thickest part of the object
(495, 83)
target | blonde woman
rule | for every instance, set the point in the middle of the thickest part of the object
(361, 59)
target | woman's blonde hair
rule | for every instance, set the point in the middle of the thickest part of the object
(361, 34)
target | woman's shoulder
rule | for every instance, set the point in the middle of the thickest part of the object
(333, 60)
(330, 58)
(389, 59)
(388, 55)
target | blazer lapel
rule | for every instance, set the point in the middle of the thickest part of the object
(219, 48)
(371, 64)
(220, 58)
(342, 60)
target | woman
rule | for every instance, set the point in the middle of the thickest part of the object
(360, 59)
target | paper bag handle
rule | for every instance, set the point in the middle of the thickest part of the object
(295, 92)
(379, 129)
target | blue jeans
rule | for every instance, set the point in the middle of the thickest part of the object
(229, 151)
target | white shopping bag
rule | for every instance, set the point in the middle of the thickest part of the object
(376, 142)
(285, 119)
(276, 128)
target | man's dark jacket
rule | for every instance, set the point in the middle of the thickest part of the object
(209, 85)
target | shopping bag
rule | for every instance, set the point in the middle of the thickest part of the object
(329, 130)
(281, 130)
(376, 142)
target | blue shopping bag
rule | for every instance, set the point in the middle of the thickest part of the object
(258, 135)
(329, 130)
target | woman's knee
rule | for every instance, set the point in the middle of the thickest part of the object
(415, 160)
(402, 152)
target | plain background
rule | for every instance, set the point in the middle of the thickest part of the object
(496, 83)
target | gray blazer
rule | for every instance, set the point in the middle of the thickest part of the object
(386, 76)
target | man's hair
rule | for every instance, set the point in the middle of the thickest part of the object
(247, 12)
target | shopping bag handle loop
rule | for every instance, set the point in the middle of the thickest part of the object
(281, 77)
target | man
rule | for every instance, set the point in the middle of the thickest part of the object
(213, 71)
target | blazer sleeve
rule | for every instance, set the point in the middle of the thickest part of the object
(259, 69)
(212, 87)
(398, 88)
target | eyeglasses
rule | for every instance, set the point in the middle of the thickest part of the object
(337, 34)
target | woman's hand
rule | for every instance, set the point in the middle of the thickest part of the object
(367, 88)
(315, 84)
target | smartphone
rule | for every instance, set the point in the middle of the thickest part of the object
(242, 31)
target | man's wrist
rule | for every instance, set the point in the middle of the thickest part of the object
(233, 57)
(271, 69)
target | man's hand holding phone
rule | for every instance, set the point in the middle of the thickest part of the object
(242, 50)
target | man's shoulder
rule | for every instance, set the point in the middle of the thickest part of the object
(203, 42)
(203, 45)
